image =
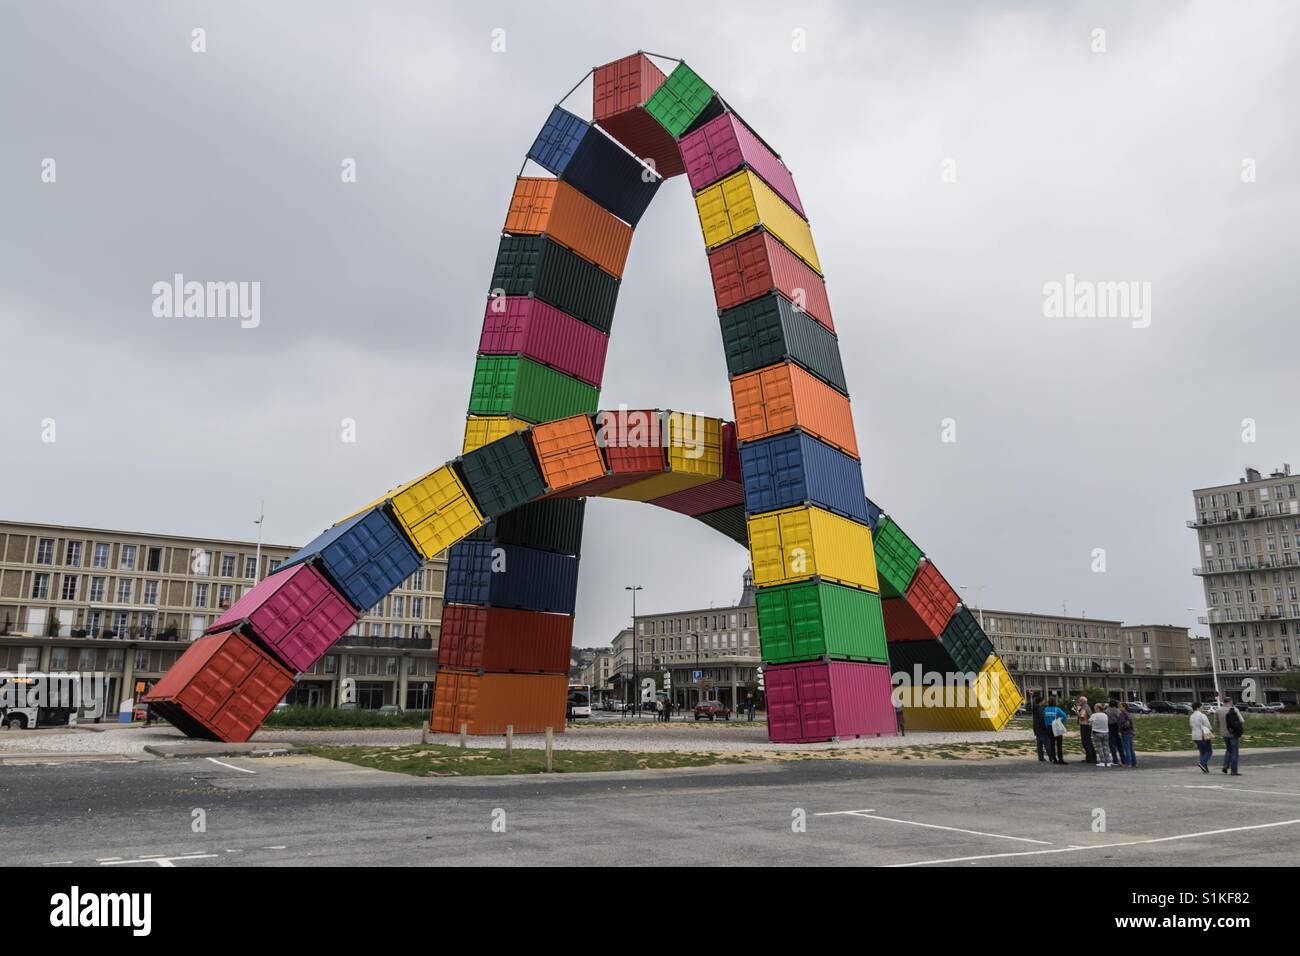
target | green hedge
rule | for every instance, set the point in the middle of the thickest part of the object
(330, 717)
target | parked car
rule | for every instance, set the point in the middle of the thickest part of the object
(1276, 708)
(1137, 707)
(1160, 707)
(1210, 706)
(711, 709)
(1181, 707)
(1257, 708)
(390, 710)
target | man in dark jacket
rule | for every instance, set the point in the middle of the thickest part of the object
(1113, 718)
(1083, 712)
(1231, 726)
(1042, 733)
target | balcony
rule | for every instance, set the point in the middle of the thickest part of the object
(399, 643)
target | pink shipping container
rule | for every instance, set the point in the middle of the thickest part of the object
(828, 700)
(723, 145)
(544, 333)
(296, 615)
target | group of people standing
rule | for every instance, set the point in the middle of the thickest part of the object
(1106, 731)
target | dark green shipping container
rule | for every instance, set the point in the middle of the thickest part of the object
(768, 330)
(502, 475)
(815, 619)
(962, 648)
(521, 388)
(896, 558)
(551, 525)
(536, 266)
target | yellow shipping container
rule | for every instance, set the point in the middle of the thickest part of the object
(480, 431)
(989, 705)
(798, 543)
(694, 458)
(741, 202)
(434, 510)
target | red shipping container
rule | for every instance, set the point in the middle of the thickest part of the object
(520, 324)
(924, 611)
(632, 442)
(827, 701)
(222, 688)
(723, 145)
(619, 90)
(757, 263)
(707, 497)
(477, 638)
(295, 614)
(488, 703)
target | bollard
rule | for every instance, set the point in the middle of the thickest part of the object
(550, 751)
(510, 740)
(424, 732)
(464, 730)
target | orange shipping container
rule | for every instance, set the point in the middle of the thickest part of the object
(781, 397)
(568, 452)
(487, 703)
(556, 209)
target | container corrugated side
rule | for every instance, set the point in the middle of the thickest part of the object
(295, 614)
(554, 208)
(481, 429)
(516, 324)
(897, 557)
(591, 162)
(632, 447)
(801, 543)
(727, 521)
(784, 397)
(681, 100)
(826, 701)
(489, 703)
(694, 458)
(742, 202)
(568, 452)
(434, 511)
(722, 493)
(619, 93)
(539, 266)
(482, 572)
(521, 388)
(502, 475)
(926, 609)
(768, 330)
(800, 622)
(364, 557)
(791, 468)
(553, 524)
(988, 706)
(756, 264)
(723, 145)
(504, 639)
(961, 648)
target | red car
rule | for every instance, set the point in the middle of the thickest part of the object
(712, 710)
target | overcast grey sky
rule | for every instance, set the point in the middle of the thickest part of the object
(1072, 434)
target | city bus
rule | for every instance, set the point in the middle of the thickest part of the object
(15, 712)
(579, 701)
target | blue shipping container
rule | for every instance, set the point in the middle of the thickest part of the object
(365, 557)
(523, 577)
(873, 514)
(595, 165)
(789, 469)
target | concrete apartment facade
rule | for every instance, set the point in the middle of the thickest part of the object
(1248, 543)
(126, 604)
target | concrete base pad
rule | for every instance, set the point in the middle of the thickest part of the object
(209, 748)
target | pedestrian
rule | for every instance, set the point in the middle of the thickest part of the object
(1112, 714)
(898, 713)
(1055, 719)
(749, 704)
(1127, 732)
(1082, 711)
(1202, 736)
(668, 710)
(1041, 734)
(1100, 733)
(1231, 727)
(659, 710)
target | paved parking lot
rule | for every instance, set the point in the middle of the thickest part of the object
(302, 810)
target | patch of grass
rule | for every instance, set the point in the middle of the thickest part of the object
(440, 760)
(333, 718)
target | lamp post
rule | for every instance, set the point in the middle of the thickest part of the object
(1214, 660)
(636, 677)
(257, 561)
(695, 636)
(979, 589)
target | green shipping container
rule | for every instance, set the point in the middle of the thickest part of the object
(679, 100)
(521, 388)
(813, 619)
(896, 558)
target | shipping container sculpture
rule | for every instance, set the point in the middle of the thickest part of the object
(843, 593)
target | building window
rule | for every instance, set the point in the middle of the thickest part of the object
(390, 666)
(399, 606)
(58, 658)
(41, 586)
(417, 608)
(225, 594)
(69, 591)
(250, 568)
(128, 557)
(273, 565)
(86, 659)
(97, 589)
(200, 595)
(72, 554)
(331, 664)
(150, 593)
(153, 559)
(124, 590)
(352, 663)
(121, 621)
(372, 665)
(227, 565)
(412, 665)
(45, 551)
(141, 659)
(417, 580)
(114, 660)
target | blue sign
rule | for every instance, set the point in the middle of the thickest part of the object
(696, 675)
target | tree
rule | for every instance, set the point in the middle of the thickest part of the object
(1290, 681)
(1095, 695)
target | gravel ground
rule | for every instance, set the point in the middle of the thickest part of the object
(651, 737)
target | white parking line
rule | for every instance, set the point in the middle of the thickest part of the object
(1100, 846)
(160, 860)
(871, 815)
(230, 766)
(1224, 786)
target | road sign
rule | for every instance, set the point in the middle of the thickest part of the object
(668, 680)
(760, 677)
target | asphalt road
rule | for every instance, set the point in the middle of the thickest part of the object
(301, 810)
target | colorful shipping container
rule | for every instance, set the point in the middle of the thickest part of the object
(553, 208)
(503, 639)
(434, 510)
(541, 267)
(757, 264)
(783, 397)
(554, 524)
(479, 430)
(488, 703)
(742, 202)
(515, 387)
(769, 329)
(568, 452)
(794, 467)
(620, 91)
(897, 557)
(520, 325)
(832, 700)
(815, 619)
(924, 611)
(725, 144)
(682, 101)
(502, 476)
(365, 557)
(481, 572)
(798, 544)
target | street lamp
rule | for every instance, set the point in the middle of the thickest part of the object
(257, 561)
(979, 589)
(636, 677)
(699, 696)
(1214, 660)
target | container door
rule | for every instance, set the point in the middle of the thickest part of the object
(782, 705)
(816, 714)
